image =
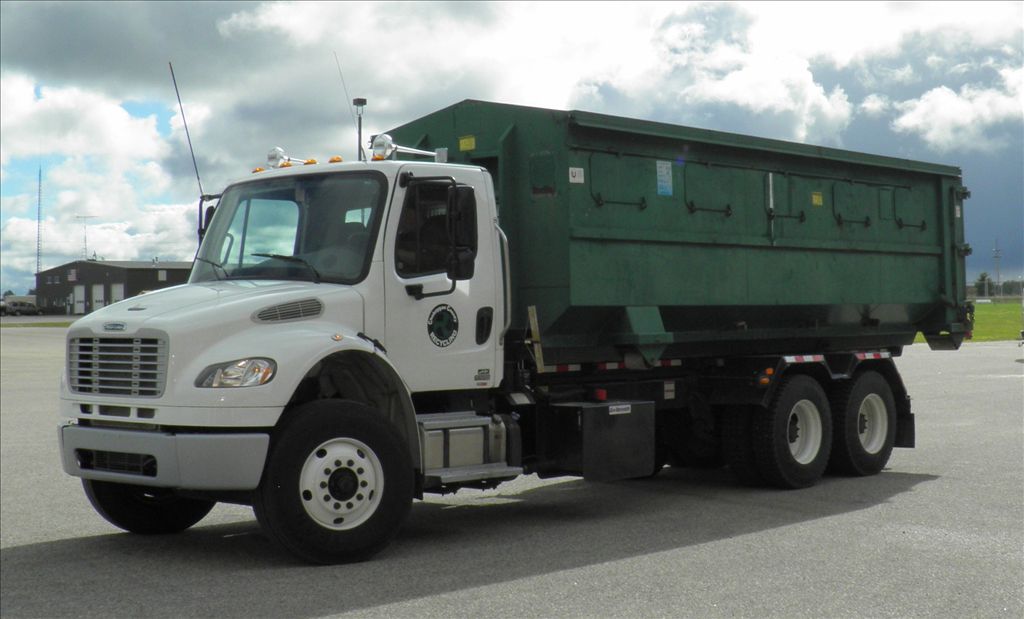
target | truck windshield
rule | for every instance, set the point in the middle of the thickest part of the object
(317, 227)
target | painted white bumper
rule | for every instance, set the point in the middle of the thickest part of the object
(161, 459)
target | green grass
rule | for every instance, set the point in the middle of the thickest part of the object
(23, 325)
(995, 322)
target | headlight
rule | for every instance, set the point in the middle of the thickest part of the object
(241, 373)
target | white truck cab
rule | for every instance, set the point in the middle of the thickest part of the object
(321, 298)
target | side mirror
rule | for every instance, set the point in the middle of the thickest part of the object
(204, 218)
(461, 232)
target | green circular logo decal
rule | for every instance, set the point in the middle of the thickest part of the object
(443, 325)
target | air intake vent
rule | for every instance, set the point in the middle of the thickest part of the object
(296, 310)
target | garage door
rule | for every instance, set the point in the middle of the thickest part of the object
(79, 299)
(97, 296)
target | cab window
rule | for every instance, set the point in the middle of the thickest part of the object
(422, 245)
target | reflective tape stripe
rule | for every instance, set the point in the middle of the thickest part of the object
(874, 355)
(804, 358)
(568, 367)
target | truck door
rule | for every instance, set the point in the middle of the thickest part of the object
(439, 338)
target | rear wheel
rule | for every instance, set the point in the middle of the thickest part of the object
(793, 437)
(338, 483)
(145, 510)
(864, 416)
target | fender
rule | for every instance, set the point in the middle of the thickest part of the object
(348, 366)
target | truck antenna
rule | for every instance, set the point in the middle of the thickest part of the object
(359, 137)
(202, 195)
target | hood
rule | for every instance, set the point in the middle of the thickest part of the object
(214, 305)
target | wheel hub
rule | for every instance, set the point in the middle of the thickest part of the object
(804, 431)
(341, 483)
(872, 423)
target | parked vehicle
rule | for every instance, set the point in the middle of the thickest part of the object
(20, 308)
(558, 293)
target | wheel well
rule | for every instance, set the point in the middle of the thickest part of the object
(363, 378)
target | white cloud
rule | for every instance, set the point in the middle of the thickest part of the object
(108, 162)
(875, 105)
(72, 121)
(846, 33)
(947, 120)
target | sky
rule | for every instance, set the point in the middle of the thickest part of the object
(86, 96)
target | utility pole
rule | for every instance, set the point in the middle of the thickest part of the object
(85, 235)
(997, 255)
(39, 223)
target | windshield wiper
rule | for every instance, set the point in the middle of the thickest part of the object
(215, 267)
(316, 275)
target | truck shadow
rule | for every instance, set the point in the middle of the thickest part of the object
(233, 570)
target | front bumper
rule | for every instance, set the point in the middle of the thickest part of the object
(162, 459)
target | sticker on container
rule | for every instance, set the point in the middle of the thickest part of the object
(620, 409)
(817, 199)
(467, 142)
(576, 176)
(958, 211)
(664, 178)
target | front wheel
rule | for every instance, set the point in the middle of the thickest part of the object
(793, 437)
(145, 510)
(338, 483)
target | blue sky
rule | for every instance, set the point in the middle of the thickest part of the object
(95, 107)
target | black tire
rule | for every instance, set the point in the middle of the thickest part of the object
(793, 437)
(337, 485)
(864, 425)
(145, 510)
(737, 445)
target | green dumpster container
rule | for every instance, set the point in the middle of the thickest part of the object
(673, 242)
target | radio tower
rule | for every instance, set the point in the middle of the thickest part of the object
(39, 223)
(85, 234)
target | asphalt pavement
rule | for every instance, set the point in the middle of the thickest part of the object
(939, 533)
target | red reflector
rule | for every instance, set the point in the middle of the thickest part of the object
(601, 395)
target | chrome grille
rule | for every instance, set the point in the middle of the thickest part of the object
(117, 365)
(306, 308)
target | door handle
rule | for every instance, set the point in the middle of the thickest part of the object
(484, 320)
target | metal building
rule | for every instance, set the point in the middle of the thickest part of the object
(82, 286)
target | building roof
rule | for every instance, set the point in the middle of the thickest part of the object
(126, 264)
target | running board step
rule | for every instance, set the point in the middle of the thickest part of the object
(473, 473)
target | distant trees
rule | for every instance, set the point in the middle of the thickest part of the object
(984, 285)
(8, 293)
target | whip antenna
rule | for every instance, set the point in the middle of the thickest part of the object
(183, 122)
(202, 196)
(359, 149)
